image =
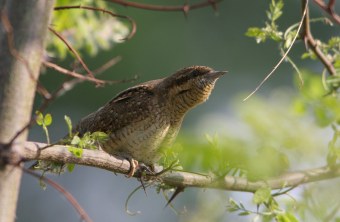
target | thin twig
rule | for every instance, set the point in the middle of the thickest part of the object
(107, 65)
(329, 8)
(133, 23)
(69, 46)
(284, 55)
(82, 213)
(127, 202)
(184, 8)
(72, 73)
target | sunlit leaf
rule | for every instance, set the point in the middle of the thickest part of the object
(262, 195)
(69, 125)
(70, 167)
(48, 119)
(77, 152)
(76, 140)
(39, 118)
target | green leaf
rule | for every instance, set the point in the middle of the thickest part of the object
(76, 140)
(77, 152)
(286, 217)
(262, 195)
(70, 167)
(245, 213)
(275, 10)
(259, 34)
(88, 31)
(39, 118)
(100, 136)
(289, 38)
(48, 119)
(233, 206)
(69, 125)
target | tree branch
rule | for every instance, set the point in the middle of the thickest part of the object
(101, 159)
(184, 8)
(329, 8)
(312, 43)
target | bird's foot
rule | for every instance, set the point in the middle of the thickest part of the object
(144, 169)
(133, 166)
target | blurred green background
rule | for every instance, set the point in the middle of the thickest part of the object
(164, 43)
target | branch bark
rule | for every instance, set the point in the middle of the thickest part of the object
(23, 29)
(100, 159)
(312, 43)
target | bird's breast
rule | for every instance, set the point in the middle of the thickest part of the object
(141, 140)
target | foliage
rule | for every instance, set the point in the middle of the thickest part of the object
(268, 146)
(75, 144)
(281, 132)
(84, 29)
(44, 122)
(271, 28)
(330, 49)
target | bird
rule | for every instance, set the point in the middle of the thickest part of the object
(145, 119)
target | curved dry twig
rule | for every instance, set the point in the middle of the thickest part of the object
(82, 213)
(132, 22)
(69, 46)
(72, 73)
(185, 8)
(284, 55)
(329, 8)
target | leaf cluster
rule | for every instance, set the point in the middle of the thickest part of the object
(84, 29)
(263, 197)
(270, 30)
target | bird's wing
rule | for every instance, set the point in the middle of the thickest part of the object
(130, 106)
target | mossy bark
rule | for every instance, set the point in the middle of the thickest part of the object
(23, 28)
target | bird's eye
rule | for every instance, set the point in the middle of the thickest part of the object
(195, 72)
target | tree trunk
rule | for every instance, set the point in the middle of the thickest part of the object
(23, 28)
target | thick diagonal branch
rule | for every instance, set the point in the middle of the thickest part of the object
(105, 161)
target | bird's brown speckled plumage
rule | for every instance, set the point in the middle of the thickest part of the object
(146, 118)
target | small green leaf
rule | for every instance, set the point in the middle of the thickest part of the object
(48, 119)
(69, 125)
(257, 33)
(289, 39)
(262, 195)
(286, 217)
(76, 140)
(245, 213)
(78, 152)
(275, 10)
(100, 136)
(70, 167)
(233, 206)
(39, 118)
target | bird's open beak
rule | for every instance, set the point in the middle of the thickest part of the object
(216, 74)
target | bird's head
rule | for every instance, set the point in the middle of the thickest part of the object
(190, 86)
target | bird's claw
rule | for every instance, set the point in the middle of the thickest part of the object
(133, 166)
(143, 168)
